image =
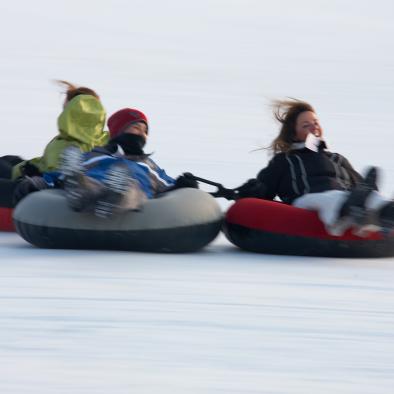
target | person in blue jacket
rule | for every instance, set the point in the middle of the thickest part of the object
(117, 177)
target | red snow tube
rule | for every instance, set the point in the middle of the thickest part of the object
(7, 188)
(6, 223)
(271, 227)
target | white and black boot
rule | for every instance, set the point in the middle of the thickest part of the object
(122, 193)
(385, 217)
(355, 205)
(71, 161)
(81, 191)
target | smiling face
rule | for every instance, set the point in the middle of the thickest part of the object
(307, 122)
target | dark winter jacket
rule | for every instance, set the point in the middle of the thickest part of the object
(301, 171)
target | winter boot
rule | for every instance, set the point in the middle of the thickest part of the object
(121, 192)
(71, 161)
(81, 191)
(354, 206)
(385, 217)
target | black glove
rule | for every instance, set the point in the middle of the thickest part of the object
(228, 194)
(252, 188)
(186, 180)
(29, 185)
(30, 170)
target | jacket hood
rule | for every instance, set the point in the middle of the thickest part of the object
(83, 120)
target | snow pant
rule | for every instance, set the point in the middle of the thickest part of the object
(6, 165)
(328, 207)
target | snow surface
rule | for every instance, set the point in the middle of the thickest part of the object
(221, 320)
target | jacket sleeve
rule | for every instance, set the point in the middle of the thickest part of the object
(161, 182)
(49, 161)
(355, 177)
(165, 176)
(265, 185)
(271, 175)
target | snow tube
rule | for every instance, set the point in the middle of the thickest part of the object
(6, 205)
(183, 220)
(6, 223)
(271, 227)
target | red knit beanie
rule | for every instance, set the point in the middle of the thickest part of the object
(124, 117)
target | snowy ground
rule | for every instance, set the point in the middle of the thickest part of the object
(221, 320)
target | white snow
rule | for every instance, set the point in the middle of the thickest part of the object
(221, 320)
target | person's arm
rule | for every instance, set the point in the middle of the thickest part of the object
(265, 185)
(49, 161)
(355, 177)
(164, 177)
(159, 180)
(29, 185)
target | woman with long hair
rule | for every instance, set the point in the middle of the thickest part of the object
(305, 174)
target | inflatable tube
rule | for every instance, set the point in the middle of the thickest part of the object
(7, 188)
(6, 223)
(271, 227)
(184, 220)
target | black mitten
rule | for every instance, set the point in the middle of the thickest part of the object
(29, 185)
(252, 188)
(30, 169)
(186, 180)
(228, 194)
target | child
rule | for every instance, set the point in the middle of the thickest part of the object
(119, 176)
(80, 125)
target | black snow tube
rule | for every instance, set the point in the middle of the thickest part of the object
(274, 228)
(183, 220)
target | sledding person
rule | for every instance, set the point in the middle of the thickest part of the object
(119, 176)
(80, 124)
(305, 174)
(7, 163)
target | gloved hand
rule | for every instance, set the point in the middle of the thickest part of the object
(30, 169)
(186, 180)
(251, 188)
(29, 185)
(228, 194)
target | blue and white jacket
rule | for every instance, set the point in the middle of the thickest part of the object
(152, 179)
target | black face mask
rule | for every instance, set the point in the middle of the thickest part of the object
(132, 144)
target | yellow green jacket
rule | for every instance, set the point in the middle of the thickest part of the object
(80, 124)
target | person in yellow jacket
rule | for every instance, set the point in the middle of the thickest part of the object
(81, 124)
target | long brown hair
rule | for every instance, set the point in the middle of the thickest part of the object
(286, 113)
(72, 90)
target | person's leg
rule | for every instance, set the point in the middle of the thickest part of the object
(82, 192)
(380, 210)
(122, 193)
(369, 209)
(12, 159)
(328, 206)
(373, 213)
(6, 165)
(5, 170)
